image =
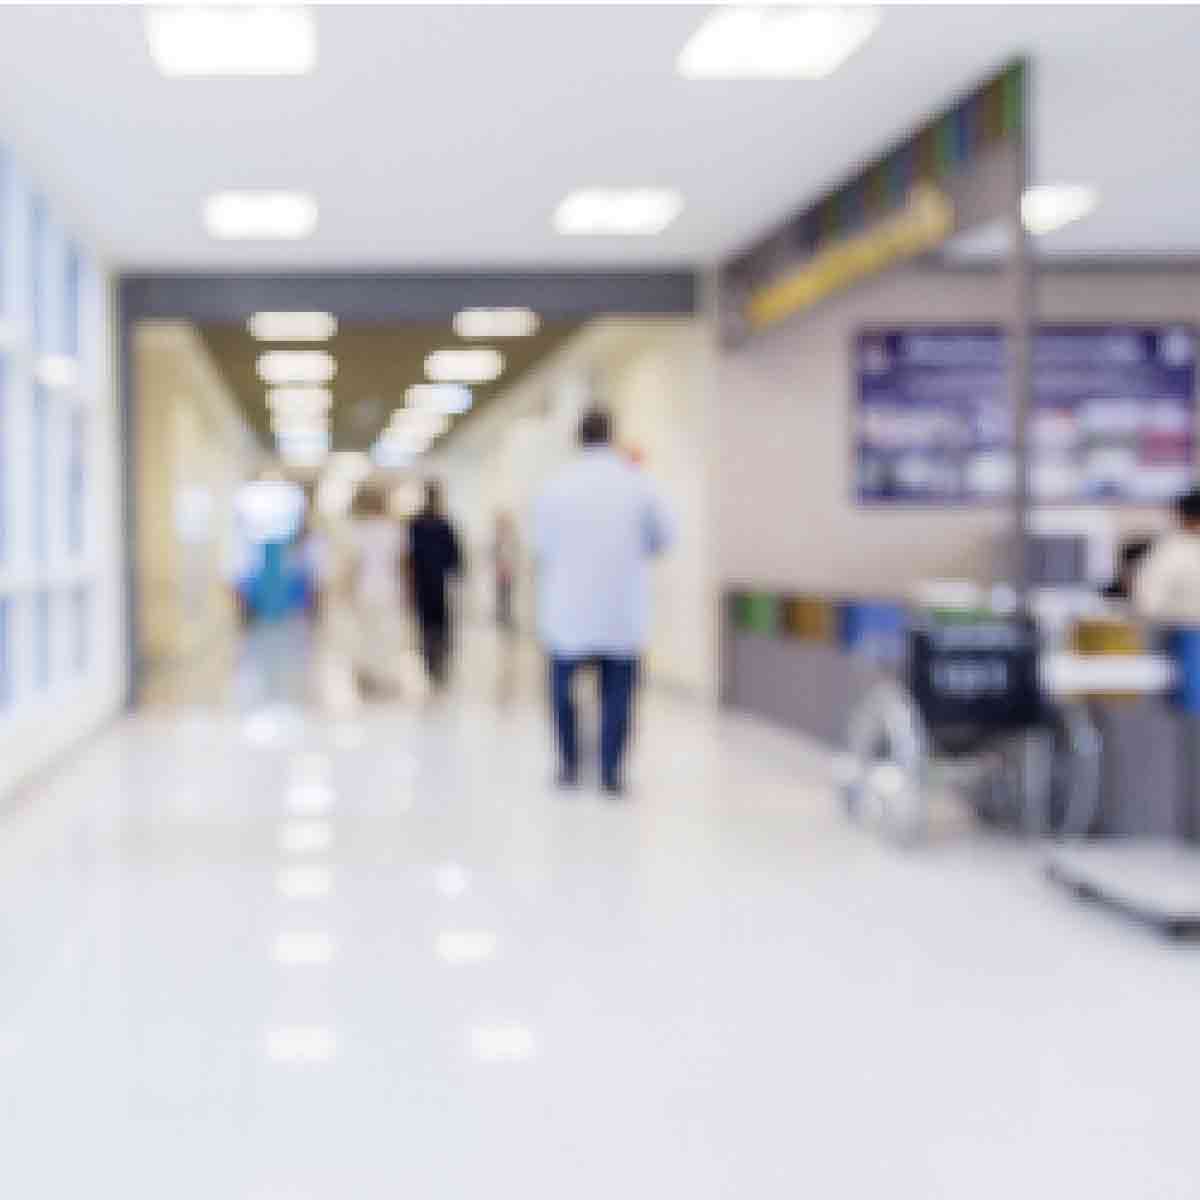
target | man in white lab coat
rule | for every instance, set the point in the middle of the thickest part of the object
(1167, 587)
(596, 526)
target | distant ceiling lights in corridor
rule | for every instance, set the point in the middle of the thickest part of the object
(292, 326)
(191, 41)
(496, 322)
(477, 365)
(260, 216)
(300, 401)
(451, 398)
(784, 42)
(618, 212)
(296, 366)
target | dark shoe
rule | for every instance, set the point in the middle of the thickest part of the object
(567, 780)
(614, 789)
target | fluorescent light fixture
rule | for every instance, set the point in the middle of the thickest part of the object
(303, 443)
(301, 1045)
(389, 456)
(303, 458)
(260, 216)
(496, 322)
(417, 423)
(502, 1043)
(479, 365)
(458, 948)
(618, 212)
(304, 883)
(306, 837)
(452, 398)
(297, 401)
(759, 42)
(56, 371)
(1050, 206)
(287, 426)
(292, 326)
(195, 41)
(393, 452)
(296, 366)
(303, 949)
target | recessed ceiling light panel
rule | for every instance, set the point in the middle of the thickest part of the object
(451, 398)
(189, 41)
(292, 326)
(1050, 206)
(786, 42)
(617, 212)
(260, 216)
(299, 401)
(496, 322)
(480, 365)
(296, 366)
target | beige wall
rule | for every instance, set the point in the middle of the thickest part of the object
(193, 451)
(655, 376)
(784, 502)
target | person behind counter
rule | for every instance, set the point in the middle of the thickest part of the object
(1129, 559)
(1167, 587)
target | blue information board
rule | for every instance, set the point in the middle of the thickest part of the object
(1114, 414)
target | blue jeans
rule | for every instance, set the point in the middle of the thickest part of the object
(618, 676)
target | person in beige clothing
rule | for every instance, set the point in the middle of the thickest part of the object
(1167, 588)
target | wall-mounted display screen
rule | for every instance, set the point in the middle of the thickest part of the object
(1114, 414)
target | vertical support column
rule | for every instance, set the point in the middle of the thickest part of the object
(1021, 333)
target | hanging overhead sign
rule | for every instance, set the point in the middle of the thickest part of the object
(954, 173)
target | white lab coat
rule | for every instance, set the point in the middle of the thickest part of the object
(596, 526)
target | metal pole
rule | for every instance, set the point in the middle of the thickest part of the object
(1021, 276)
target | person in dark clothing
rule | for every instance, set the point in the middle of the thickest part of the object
(433, 556)
(1128, 561)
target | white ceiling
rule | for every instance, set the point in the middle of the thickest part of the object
(445, 136)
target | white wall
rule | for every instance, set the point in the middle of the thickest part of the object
(83, 585)
(654, 375)
(784, 497)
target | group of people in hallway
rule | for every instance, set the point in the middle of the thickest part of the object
(595, 527)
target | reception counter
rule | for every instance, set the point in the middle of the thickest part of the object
(804, 662)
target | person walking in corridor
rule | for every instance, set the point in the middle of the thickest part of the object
(597, 525)
(433, 556)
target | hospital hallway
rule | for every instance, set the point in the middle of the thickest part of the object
(254, 948)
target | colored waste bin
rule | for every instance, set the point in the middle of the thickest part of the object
(874, 629)
(1183, 645)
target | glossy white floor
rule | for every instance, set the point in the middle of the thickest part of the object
(251, 952)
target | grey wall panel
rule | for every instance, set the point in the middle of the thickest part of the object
(1144, 790)
(801, 685)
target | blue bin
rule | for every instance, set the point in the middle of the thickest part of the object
(1183, 645)
(875, 629)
